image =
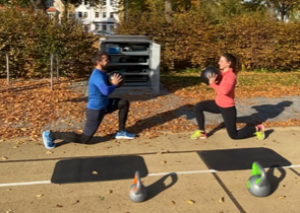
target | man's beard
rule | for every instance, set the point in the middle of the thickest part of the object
(105, 67)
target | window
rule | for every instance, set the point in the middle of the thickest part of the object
(79, 14)
(85, 14)
(104, 27)
(104, 2)
(85, 2)
(97, 14)
(71, 15)
(111, 2)
(97, 26)
(104, 15)
(112, 15)
(49, 3)
(86, 28)
(51, 15)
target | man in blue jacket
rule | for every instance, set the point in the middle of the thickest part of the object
(98, 105)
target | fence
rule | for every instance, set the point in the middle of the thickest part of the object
(52, 58)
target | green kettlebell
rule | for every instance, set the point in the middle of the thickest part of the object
(258, 184)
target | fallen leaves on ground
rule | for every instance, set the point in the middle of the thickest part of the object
(221, 200)
(30, 107)
(191, 201)
(172, 203)
(163, 162)
(281, 197)
(39, 195)
(76, 202)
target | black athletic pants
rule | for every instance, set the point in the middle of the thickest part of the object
(229, 116)
(94, 119)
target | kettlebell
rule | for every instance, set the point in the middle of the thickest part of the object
(258, 184)
(137, 192)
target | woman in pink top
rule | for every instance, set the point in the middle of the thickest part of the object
(224, 103)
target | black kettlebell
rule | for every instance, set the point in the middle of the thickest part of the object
(120, 74)
(208, 71)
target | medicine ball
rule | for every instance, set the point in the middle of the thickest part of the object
(208, 71)
(119, 73)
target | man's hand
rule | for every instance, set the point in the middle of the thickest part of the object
(116, 79)
(212, 78)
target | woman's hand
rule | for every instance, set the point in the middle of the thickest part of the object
(212, 78)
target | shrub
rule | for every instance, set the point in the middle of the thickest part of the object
(192, 40)
(29, 38)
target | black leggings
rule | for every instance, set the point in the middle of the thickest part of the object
(94, 119)
(229, 116)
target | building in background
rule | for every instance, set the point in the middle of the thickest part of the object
(100, 19)
(54, 7)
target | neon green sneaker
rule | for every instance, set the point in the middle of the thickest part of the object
(198, 134)
(260, 135)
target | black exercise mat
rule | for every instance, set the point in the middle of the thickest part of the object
(241, 159)
(108, 168)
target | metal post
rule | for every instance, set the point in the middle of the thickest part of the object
(51, 74)
(57, 70)
(126, 10)
(7, 67)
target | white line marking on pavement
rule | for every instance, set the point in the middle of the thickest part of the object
(181, 173)
(149, 175)
(25, 183)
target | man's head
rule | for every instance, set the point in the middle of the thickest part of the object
(100, 60)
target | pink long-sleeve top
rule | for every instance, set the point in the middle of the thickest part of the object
(225, 89)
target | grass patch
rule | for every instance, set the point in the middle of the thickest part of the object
(248, 84)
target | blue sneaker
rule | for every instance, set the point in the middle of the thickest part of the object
(48, 142)
(124, 135)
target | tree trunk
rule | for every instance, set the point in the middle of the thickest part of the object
(187, 5)
(66, 10)
(168, 10)
(282, 15)
(35, 4)
(271, 9)
(126, 12)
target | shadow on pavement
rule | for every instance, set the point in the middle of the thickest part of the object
(159, 186)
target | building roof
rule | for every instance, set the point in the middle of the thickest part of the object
(52, 9)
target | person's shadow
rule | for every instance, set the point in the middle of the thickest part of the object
(264, 113)
(94, 140)
(159, 186)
